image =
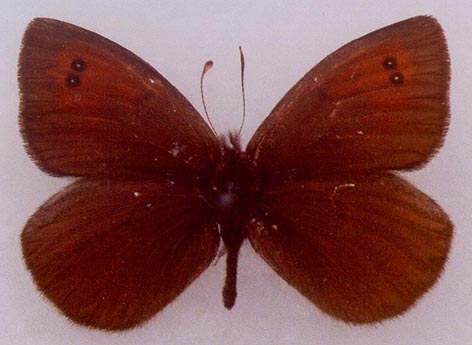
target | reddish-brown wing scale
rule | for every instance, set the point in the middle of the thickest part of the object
(91, 107)
(362, 248)
(112, 253)
(378, 103)
(116, 247)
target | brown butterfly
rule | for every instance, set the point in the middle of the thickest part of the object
(157, 189)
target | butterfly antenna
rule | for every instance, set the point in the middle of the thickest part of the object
(206, 68)
(242, 91)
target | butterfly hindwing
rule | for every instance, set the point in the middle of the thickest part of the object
(362, 248)
(112, 253)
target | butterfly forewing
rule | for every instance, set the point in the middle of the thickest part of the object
(378, 103)
(362, 248)
(112, 253)
(91, 107)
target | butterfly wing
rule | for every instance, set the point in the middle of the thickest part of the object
(91, 107)
(112, 253)
(361, 248)
(378, 103)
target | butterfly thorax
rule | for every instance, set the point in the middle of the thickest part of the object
(233, 185)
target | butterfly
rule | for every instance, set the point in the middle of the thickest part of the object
(314, 192)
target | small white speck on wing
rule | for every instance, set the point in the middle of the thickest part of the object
(344, 186)
(335, 109)
(340, 188)
(176, 149)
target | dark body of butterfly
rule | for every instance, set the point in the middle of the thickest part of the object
(156, 189)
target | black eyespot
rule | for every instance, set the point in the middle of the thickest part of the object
(390, 63)
(396, 78)
(78, 65)
(72, 80)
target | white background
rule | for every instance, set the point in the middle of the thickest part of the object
(281, 41)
